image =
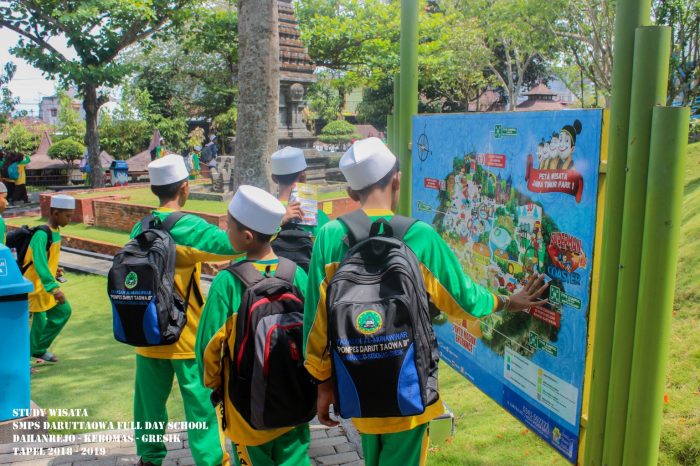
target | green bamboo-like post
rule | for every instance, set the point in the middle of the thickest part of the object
(669, 143)
(630, 14)
(409, 97)
(397, 114)
(652, 50)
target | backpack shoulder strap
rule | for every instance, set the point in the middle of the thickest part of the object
(400, 225)
(358, 225)
(286, 269)
(171, 220)
(245, 272)
(146, 222)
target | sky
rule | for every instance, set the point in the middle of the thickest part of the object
(28, 83)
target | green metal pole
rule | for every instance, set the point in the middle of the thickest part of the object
(409, 96)
(652, 49)
(669, 143)
(397, 114)
(630, 14)
(390, 132)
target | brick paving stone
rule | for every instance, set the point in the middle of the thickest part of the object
(174, 446)
(335, 431)
(355, 463)
(175, 454)
(338, 458)
(108, 461)
(344, 447)
(322, 442)
(42, 462)
(188, 461)
(316, 451)
(168, 462)
(319, 433)
(128, 460)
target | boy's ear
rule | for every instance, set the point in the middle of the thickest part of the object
(396, 181)
(274, 178)
(353, 194)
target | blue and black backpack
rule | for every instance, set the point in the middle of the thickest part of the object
(146, 308)
(382, 345)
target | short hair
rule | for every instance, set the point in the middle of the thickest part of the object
(259, 237)
(287, 179)
(56, 209)
(381, 184)
(167, 192)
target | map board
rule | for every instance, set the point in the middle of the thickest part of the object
(514, 194)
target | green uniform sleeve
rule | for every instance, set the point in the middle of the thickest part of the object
(41, 263)
(135, 231)
(203, 241)
(451, 290)
(195, 162)
(216, 310)
(3, 231)
(301, 280)
(25, 160)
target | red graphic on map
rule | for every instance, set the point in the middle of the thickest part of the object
(554, 181)
(492, 160)
(566, 252)
(545, 315)
(431, 183)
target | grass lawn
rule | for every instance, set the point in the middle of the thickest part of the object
(95, 372)
(78, 229)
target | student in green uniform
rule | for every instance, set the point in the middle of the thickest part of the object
(47, 303)
(288, 169)
(196, 241)
(254, 219)
(373, 178)
(194, 174)
(20, 193)
(3, 206)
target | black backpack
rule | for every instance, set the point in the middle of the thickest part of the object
(146, 309)
(379, 324)
(20, 238)
(268, 383)
(295, 244)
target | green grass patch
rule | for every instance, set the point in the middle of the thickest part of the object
(78, 229)
(94, 371)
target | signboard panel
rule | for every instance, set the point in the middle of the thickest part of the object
(515, 194)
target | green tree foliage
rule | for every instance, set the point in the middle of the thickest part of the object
(7, 101)
(96, 31)
(683, 16)
(376, 104)
(68, 150)
(21, 141)
(338, 132)
(225, 125)
(69, 124)
(324, 99)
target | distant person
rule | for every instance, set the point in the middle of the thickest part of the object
(158, 151)
(193, 162)
(3, 206)
(266, 417)
(5, 162)
(20, 193)
(295, 241)
(196, 241)
(47, 303)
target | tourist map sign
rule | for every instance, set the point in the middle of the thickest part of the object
(515, 194)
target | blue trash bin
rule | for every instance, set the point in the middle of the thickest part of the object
(14, 337)
(120, 173)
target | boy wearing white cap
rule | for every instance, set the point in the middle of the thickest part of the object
(288, 169)
(3, 206)
(196, 241)
(253, 221)
(373, 178)
(47, 303)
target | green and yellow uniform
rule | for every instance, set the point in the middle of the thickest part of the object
(3, 230)
(21, 168)
(195, 166)
(196, 241)
(48, 317)
(285, 446)
(450, 290)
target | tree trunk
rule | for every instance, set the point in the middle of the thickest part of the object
(258, 92)
(92, 104)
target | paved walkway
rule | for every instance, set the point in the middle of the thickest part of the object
(329, 446)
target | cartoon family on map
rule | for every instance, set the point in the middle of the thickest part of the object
(558, 152)
(502, 236)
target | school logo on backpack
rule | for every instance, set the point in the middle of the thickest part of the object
(379, 324)
(268, 384)
(146, 309)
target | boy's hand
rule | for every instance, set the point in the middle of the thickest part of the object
(294, 212)
(529, 296)
(59, 297)
(59, 272)
(326, 397)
